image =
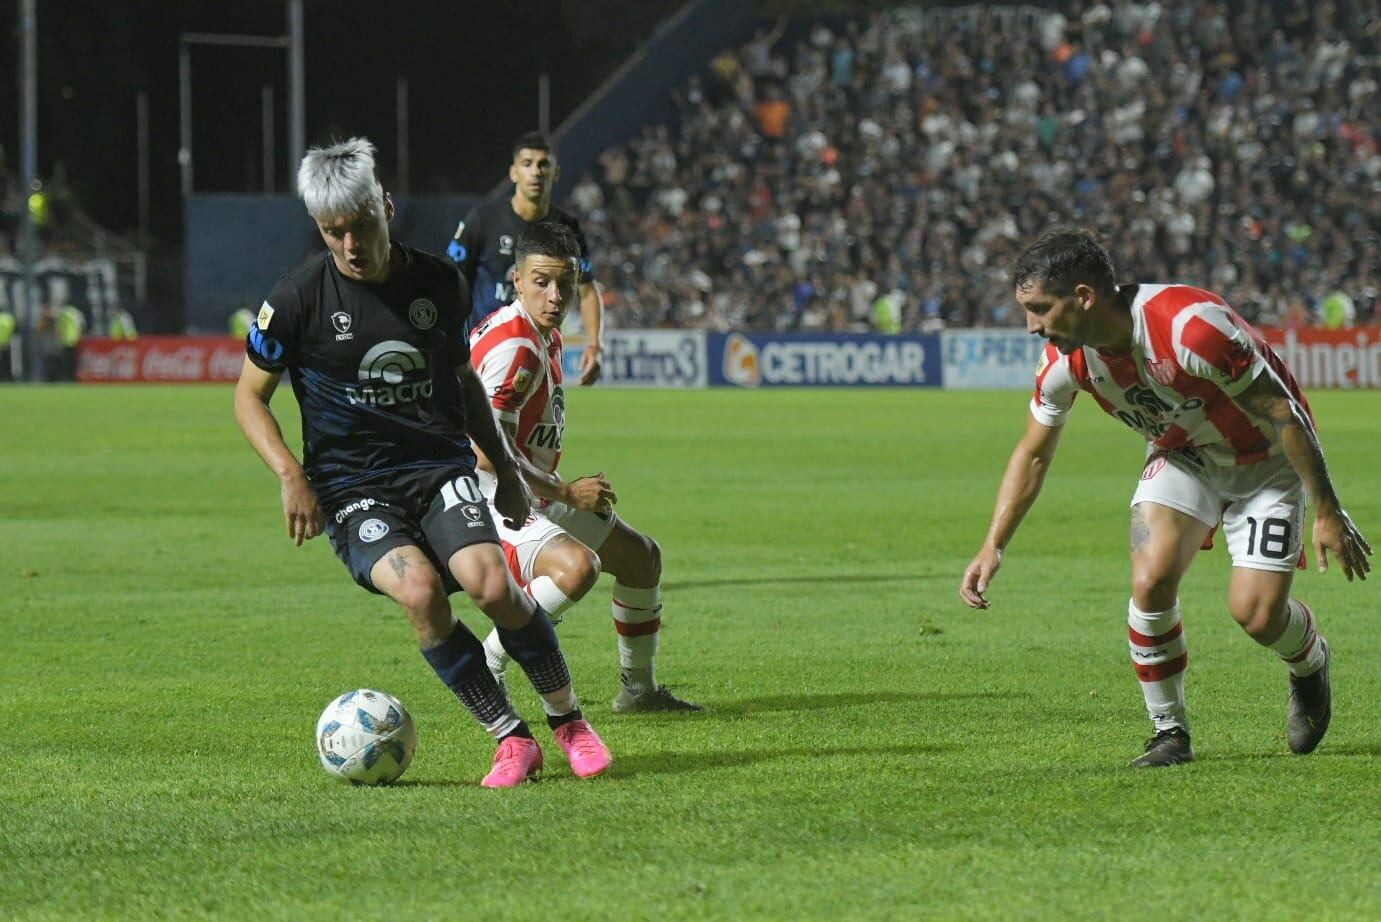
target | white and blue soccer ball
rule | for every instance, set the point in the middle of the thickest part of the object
(366, 737)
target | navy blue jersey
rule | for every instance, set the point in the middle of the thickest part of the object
(483, 248)
(373, 367)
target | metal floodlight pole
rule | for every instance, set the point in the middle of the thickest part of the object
(297, 105)
(266, 103)
(544, 104)
(402, 98)
(184, 116)
(28, 133)
(184, 69)
(141, 118)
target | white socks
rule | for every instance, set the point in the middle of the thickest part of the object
(1159, 656)
(1299, 644)
(637, 618)
(542, 590)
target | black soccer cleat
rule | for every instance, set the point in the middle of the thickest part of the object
(654, 700)
(1167, 747)
(1311, 707)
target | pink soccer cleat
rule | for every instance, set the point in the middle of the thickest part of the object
(582, 745)
(517, 760)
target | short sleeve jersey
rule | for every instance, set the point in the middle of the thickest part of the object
(522, 376)
(1191, 355)
(483, 248)
(373, 367)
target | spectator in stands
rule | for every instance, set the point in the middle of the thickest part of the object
(1230, 142)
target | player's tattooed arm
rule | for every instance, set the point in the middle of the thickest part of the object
(1334, 530)
(1267, 398)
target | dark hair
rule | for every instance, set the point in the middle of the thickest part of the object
(547, 238)
(532, 140)
(1062, 258)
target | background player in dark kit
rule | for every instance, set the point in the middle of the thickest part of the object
(372, 337)
(483, 244)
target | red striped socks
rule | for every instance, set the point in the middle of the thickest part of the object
(1159, 656)
(1299, 643)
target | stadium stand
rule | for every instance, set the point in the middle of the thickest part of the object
(879, 173)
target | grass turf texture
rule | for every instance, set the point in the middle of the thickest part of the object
(871, 747)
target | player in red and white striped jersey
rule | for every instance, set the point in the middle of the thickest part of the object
(1231, 443)
(558, 552)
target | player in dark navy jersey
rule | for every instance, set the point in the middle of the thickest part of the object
(483, 244)
(371, 334)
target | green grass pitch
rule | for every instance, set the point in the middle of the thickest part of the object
(870, 748)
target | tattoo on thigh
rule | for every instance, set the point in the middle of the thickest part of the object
(399, 563)
(1141, 532)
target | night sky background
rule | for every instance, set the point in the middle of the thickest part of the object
(472, 69)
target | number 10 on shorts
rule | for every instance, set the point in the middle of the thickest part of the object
(461, 490)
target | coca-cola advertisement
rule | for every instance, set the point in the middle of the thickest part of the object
(160, 359)
(1347, 358)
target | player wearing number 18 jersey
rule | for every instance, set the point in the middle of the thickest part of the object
(1231, 443)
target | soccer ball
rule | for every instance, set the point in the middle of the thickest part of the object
(366, 737)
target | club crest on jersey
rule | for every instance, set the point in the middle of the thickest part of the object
(265, 316)
(505, 245)
(1161, 372)
(422, 313)
(372, 530)
(342, 322)
(522, 379)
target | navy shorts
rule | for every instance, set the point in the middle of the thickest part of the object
(440, 510)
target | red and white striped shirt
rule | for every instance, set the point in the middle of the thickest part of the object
(521, 372)
(1191, 355)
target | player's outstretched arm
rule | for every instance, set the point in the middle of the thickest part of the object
(253, 391)
(1333, 528)
(1021, 484)
(592, 319)
(511, 497)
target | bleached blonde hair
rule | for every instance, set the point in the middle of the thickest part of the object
(338, 180)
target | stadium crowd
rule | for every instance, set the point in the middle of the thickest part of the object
(881, 173)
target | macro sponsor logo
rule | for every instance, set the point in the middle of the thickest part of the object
(824, 362)
(548, 435)
(391, 373)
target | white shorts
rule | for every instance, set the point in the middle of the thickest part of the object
(1260, 506)
(521, 546)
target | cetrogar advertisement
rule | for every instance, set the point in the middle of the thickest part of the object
(1002, 359)
(824, 360)
(646, 358)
